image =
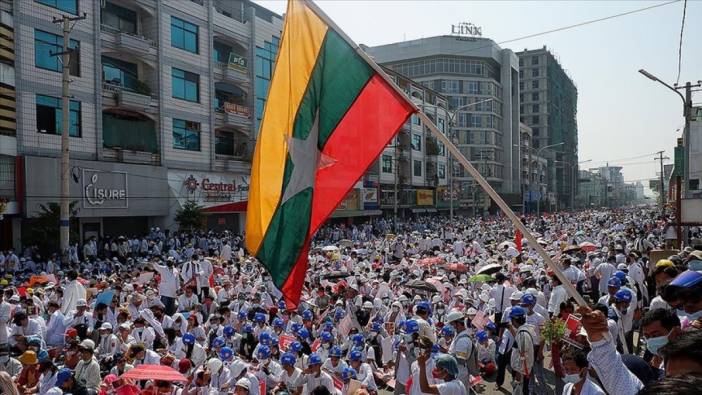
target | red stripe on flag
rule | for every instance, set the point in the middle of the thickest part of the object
(368, 126)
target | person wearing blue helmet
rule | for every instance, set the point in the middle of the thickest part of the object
(614, 284)
(297, 350)
(486, 353)
(268, 369)
(446, 337)
(347, 375)
(189, 348)
(326, 342)
(422, 315)
(278, 326)
(406, 353)
(364, 371)
(522, 358)
(314, 376)
(226, 354)
(334, 363)
(289, 377)
(248, 342)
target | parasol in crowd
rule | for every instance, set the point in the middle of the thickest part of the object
(431, 261)
(330, 249)
(421, 286)
(336, 275)
(506, 244)
(345, 243)
(588, 246)
(480, 278)
(489, 269)
(154, 372)
(457, 267)
(571, 248)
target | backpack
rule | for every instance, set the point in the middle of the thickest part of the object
(472, 360)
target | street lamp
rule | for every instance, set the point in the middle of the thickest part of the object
(538, 155)
(451, 136)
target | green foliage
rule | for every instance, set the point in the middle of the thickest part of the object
(553, 330)
(43, 229)
(191, 217)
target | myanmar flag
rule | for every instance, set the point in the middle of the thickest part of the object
(328, 116)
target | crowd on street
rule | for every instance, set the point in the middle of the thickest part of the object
(420, 306)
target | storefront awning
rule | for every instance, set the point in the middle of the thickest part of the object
(355, 213)
(238, 207)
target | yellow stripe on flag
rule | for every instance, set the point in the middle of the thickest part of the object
(302, 39)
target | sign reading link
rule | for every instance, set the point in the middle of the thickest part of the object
(104, 189)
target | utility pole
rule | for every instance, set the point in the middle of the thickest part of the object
(662, 188)
(606, 185)
(64, 216)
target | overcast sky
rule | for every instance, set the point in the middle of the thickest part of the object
(622, 116)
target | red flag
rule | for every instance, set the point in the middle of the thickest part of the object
(518, 240)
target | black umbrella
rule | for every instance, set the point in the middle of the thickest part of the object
(336, 275)
(421, 285)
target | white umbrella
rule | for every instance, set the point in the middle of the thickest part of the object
(507, 244)
(330, 248)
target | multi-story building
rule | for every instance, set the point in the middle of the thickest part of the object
(548, 104)
(166, 96)
(480, 81)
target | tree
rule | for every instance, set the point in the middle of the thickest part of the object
(191, 217)
(43, 229)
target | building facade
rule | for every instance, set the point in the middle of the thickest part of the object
(479, 79)
(534, 171)
(548, 104)
(166, 96)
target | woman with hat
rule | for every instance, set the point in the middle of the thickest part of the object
(446, 369)
(29, 376)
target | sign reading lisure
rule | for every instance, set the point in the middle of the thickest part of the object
(104, 189)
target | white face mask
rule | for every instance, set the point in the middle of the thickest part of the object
(572, 378)
(264, 361)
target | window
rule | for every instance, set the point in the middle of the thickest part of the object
(417, 168)
(117, 72)
(416, 120)
(442, 148)
(535, 120)
(441, 170)
(535, 60)
(441, 124)
(224, 143)
(50, 116)
(70, 6)
(521, 85)
(186, 85)
(186, 135)
(47, 44)
(386, 164)
(183, 35)
(535, 131)
(535, 84)
(521, 62)
(535, 96)
(521, 74)
(221, 51)
(474, 87)
(119, 18)
(416, 142)
(265, 58)
(534, 72)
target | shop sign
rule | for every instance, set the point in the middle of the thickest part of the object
(104, 189)
(350, 202)
(425, 197)
(236, 109)
(237, 62)
(208, 189)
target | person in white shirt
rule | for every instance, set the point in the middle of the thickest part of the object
(187, 300)
(107, 344)
(558, 296)
(169, 285)
(577, 378)
(56, 328)
(604, 271)
(290, 376)
(501, 294)
(314, 376)
(87, 371)
(447, 371)
(226, 253)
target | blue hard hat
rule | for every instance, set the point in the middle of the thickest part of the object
(686, 279)
(218, 342)
(529, 299)
(278, 322)
(339, 313)
(282, 305)
(376, 327)
(260, 317)
(303, 333)
(517, 311)
(355, 355)
(189, 338)
(226, 353)
(295, 327)
(423, 305)
(621, 276)
(296, 346)
(326, 336)
(357, 338)
(328, 326)
(614, 282)
(307, 315)
(348, 373)
(411, 326)
(447, 330)
(435, 348)
(263, 352)
(248, 328)
(264, 338)
(481, 335)
(242, 314)
(287, 359)
(491, 326)
(228, 331)
(43, 356)
(314, 359)
(623, 295)
(335, 352)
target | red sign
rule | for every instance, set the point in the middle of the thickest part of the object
(285, 341)
(237, 109)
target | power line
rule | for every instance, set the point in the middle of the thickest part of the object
(682, 28)
(564, 27)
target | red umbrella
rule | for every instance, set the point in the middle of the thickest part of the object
(430, 261)
(587, 246)
(457, 267)
(154, 372)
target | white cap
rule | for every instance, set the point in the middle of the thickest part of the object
(367, 305)
(106, 326)
(471, 311)
(81, 303)
(214, 364)
(454, 315)
(516, 295)
(243, 383)
(88, 344)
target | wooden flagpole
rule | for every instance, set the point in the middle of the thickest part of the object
(453, 150)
